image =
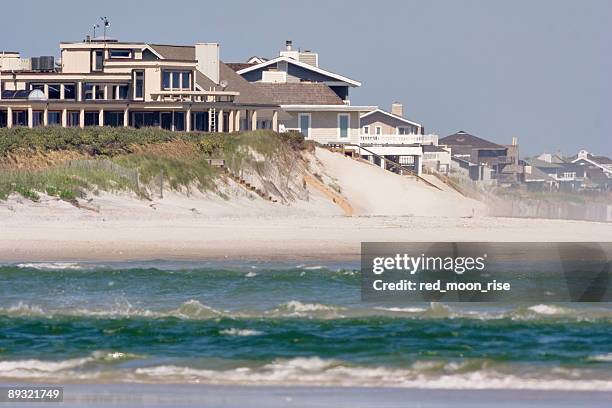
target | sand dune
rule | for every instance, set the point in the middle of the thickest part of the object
(387, 207)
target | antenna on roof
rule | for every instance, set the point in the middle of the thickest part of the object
(94, 30)
(106, 24)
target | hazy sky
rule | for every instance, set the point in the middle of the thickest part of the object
(539, 70)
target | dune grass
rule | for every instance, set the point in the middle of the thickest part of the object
(179, 158)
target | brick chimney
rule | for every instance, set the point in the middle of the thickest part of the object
(397, 109)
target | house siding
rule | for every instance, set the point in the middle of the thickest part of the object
(324, 126)
(389, 124)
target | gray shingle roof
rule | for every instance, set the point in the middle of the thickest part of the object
(299, 93)
(175, 52)
(465, 139)
(249, 94)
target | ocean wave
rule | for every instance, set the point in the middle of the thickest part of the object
(49, 369)
(240, 332)
(295, 308)
(328, 372)
(603, 358)
(316, 371)
(195, 310)
(50, 265)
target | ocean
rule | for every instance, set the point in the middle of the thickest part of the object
(281, 324)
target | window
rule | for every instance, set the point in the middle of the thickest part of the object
(113, 118)
(37, 118)
(343, 125)
(3, 119)
(69, 91)
(99, 92)
(20, 118)
(98, 64)
(54, 118)
(121, 91)
(40, 87)
(179, 121)
(378, 130)
(121, 53)
(74, 119)
(176, 80)
(138, 84)
(405, 130)
(199, 121)
(166, 80)
(89, 92)
(304, 123)
(366, 130)
(92, 118)
(54, 91)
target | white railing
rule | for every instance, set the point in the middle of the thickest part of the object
(399, 139)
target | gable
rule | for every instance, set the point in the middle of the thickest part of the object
(298, 70)
(387, 119)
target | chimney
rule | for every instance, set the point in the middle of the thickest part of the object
(207, 57)
(514, 140)
(289, 45)
(397, 109)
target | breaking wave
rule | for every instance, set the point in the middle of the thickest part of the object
(194, 309)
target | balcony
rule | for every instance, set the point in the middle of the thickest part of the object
(398, 139)
(194, 96)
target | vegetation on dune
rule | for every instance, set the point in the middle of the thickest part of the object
(179, 158)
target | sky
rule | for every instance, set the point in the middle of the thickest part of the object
(540, 70)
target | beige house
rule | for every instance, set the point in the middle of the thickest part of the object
(111, 83)
(313, 100)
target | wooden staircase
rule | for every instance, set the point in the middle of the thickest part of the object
(248, 186)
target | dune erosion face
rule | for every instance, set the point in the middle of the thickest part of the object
(374, 191)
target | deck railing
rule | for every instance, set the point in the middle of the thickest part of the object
(398, 139)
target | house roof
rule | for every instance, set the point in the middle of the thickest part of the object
(175, 52)
(542, 163)
(350, 82)
(538, 175)
(298, 93)
(237, 66)
(391, 115)
(462, 138)
(248, 93)
(203, 81)
(433, 148)
(596, 159)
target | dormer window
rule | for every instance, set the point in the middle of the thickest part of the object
(176, 80)
(98, 60)
(121, 53)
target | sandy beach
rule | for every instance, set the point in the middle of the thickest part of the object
(128, 395)
(204, 226)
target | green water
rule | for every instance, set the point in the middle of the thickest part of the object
(281, 324)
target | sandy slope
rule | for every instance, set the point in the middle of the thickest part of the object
(374, 191)
(388, 208)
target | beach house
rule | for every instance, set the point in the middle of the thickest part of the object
(104, 82)
(390, 135)
(313, 100)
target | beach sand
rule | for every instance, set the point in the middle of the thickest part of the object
(129, 395)
(387, 207)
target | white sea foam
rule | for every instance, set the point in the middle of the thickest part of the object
(240, 332)
(50, 265)
(321, 372)
(402, 309)
(251, 275)
(548, 309)
(313, 371)
(601, 357)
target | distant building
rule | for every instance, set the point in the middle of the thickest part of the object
(482, 159)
